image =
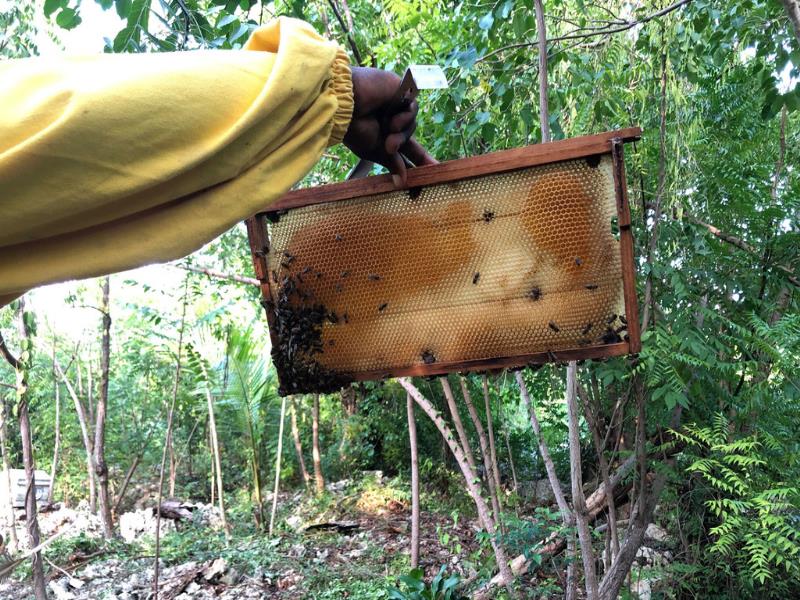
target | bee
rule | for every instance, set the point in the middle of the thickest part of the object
(337, 237)
(289, 256)
(345, 318)
(587, 329)
(488, 215)
(591, 286)
(285, 265)
(475, 278)
(535, 293)
(428, 357)
(623, 320)
(553, 326)
(578, 261)
(593, 161)
(305, 270)
(383, 306)
(414, 192)
(345, 274)
(373, 277)
(611, 319)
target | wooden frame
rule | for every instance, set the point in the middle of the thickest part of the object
(496, 162)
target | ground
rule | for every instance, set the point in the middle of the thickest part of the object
(363, 562)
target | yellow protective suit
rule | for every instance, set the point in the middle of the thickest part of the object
(110, 162)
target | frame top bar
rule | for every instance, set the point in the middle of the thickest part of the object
(494, 162)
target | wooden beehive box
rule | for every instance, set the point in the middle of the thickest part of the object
(515, 257)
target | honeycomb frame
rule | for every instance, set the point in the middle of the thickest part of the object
(516, 257)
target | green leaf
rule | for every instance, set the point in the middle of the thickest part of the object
(227, 20)
(486, 21)
(51, 6)
(123, 8)
(68, 18)
(243, 29)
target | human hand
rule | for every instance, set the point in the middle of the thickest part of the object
(381, 127)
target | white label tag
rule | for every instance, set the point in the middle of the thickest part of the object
(428, 77)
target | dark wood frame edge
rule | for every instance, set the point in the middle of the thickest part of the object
(490, 364)
(626, 245)
(463, 168)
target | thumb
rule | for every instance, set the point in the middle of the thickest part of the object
(394, 162)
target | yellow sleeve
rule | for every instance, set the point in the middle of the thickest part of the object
(111, 162)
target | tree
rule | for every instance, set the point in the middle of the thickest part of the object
(101, 468)
(22, 366)
(315, 454)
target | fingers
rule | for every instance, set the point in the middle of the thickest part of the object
(414, 151)
(404, 118)
(394, 141)
(394, 162)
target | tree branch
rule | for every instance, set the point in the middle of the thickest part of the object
(214, 274)
(12, 360)
(594, 33)
(741, 244)
(793, 11)
(348, 34)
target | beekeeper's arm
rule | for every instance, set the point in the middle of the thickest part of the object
(110, 162)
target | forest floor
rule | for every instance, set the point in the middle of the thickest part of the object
(362, 557)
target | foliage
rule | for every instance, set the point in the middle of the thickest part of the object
(440, 587)
(757, 513)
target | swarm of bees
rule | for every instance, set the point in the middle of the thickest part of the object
(298, 331)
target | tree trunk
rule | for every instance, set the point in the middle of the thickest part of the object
(576, 479)
(544, 109)
(11, 518)
(22, 368)
(511, 461)
(459, 424)
(320, 481)
(298, 446)
(168, 436)
(485, 453)
(469, 476)
(217, 467)
(649, 294)
(213, 468)
(462, 436)
(277, 467)
(87, 440)
(57, 438)
(255, 467)
(490, 428)
(412, 438)
(129, 474)
(613, 535)
(173, 467)
(101, 468)
(561, 501)
(793, 12)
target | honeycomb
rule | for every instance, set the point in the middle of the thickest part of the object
(502, 265)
